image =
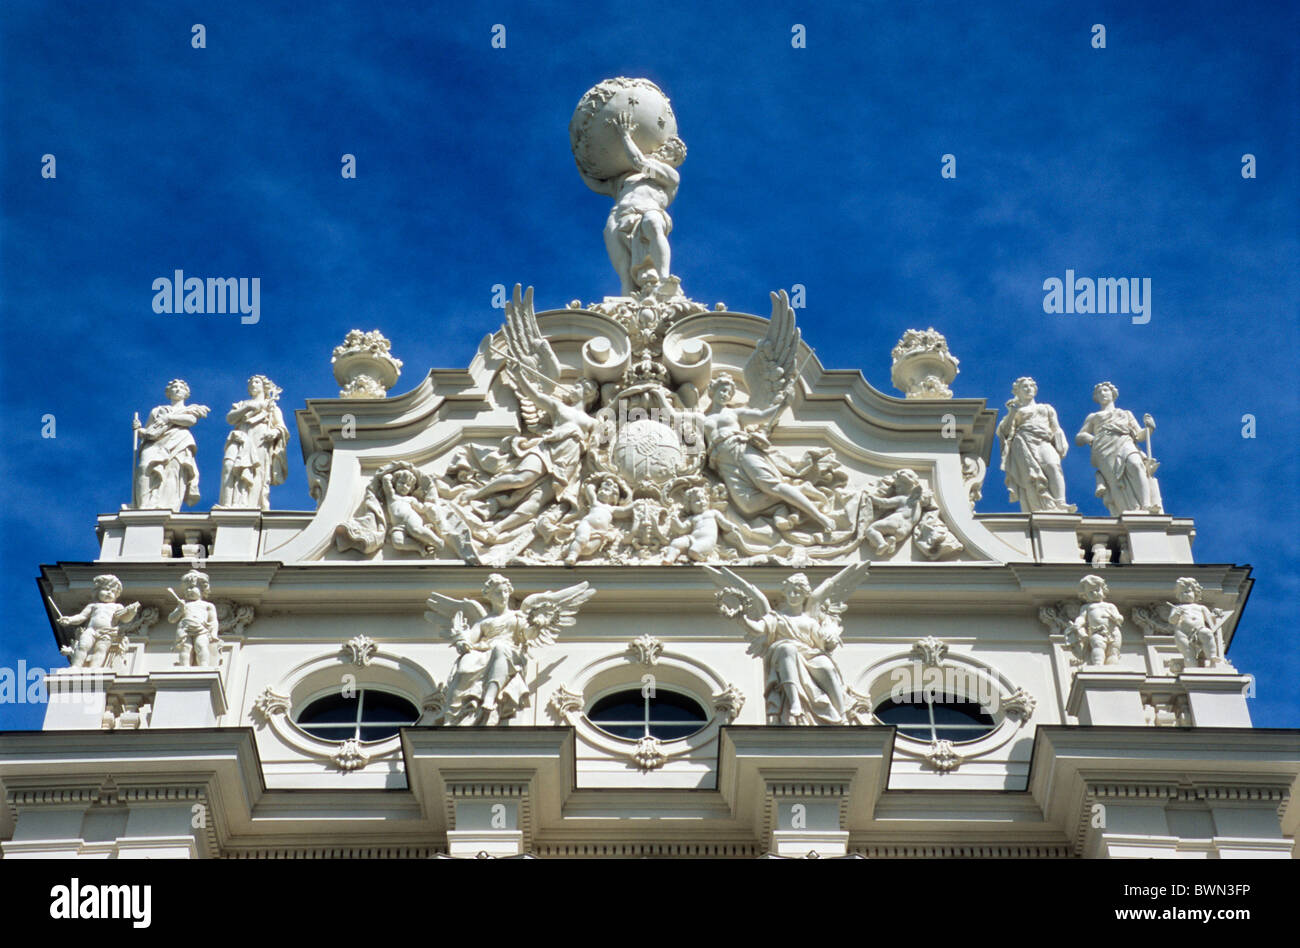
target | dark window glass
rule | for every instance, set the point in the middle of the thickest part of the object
(367, 716)
(946, 718)
(632, 715)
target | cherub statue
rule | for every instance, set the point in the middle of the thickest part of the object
(406, 508)
(700, 529)
(256, 455)
(596, 529)
(1196, 628)
(1125, 476)
(636, 233)
(796, 639)
(1033, 446)
(1095, 634)
(487, 684)
(196, 623)
(904, 498)
(738, 448)
(166, 475)
(103, 620)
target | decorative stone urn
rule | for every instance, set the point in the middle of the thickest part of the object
(923, 366)
(364, 367)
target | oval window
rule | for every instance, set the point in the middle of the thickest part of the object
(937, 718)
(368, 715)
(634, 714)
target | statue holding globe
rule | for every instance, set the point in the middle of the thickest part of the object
(624, 138)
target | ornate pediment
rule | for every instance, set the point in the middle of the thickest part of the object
(642, 430)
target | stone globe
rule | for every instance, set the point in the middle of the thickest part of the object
(597, 146)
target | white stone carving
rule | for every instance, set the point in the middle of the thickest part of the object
(931, 650)
(488, 681)
(795, 640)
(405, 508)
(103, 637)
(232, 618)
(350, 755)
(942, 757)
(649, 754)
(901, 507)
(728, 702)
(564, 703)
(1095, 634)
(362, 648)
(256, 450)
(166, 474)
(1021, 703)
(270, 703)
(624, 139)
(435, 703)
(655, 459)
(923, 367)
(364, 366)
(1126, 480)
(973, 470)
(1197, 629)
(197, 625)
(1033, 447)
(647, 649)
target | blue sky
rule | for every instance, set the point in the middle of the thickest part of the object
(818, 166)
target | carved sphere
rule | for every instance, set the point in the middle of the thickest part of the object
(647, 451)
(598, 146)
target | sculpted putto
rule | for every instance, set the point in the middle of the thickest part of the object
(166, 475)
(196, 622)
(1033, 446)
(1125, 476)
(488, 683)
(1095, 635)
(1196, 628)
(795, 639)
(102, 623)
(256, 455)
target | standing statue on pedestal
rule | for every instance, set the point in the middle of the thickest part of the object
(1095, 635)
(1198, 630)
(103, 621)
(804, 685)
(166, 475)
(488, 684)
(196, 623)
(1033, 446)
(1125, 476)
(625, 143)
(256, 455)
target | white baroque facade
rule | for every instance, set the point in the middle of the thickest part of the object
(647, 578)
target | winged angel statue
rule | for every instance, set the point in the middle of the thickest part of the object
(736, 438)
(804, 685)
(488, 683)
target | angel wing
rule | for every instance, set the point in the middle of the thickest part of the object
(772, 366)
(832, 595)
(524, 340)
(443, 611)
(737, 595)
(549, 612)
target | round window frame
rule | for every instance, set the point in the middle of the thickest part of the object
(876, 684)
(639, 689)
